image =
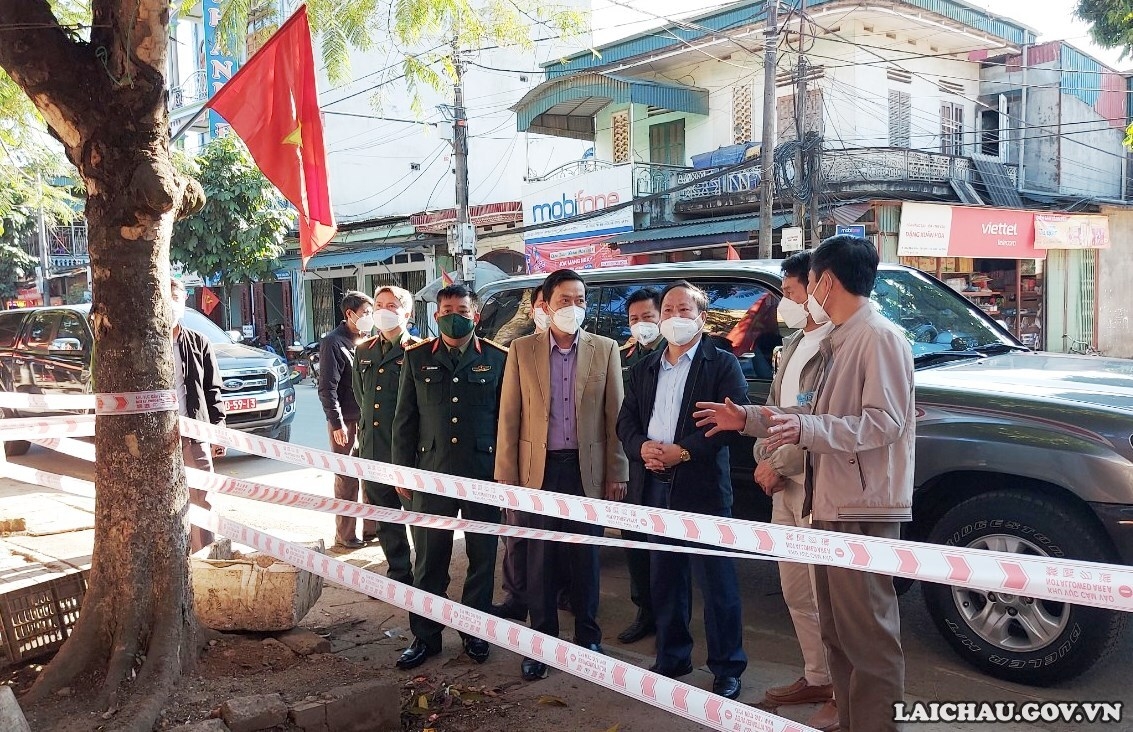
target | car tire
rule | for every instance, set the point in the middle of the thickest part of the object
(14, 448)
(1075, 637)
(284, 434)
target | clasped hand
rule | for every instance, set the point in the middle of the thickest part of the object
(660, 456)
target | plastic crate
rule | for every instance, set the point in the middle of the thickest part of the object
(35, 620)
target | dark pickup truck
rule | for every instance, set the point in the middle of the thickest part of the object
(1017, 451)
(48, 351)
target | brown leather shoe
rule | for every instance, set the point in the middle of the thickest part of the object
(799, 692)
(826, 718)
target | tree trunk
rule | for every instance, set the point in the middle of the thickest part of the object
(105, 101)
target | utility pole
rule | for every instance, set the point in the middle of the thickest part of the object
(44, 256)
(800, 134)
(463, 245)
(767, 148)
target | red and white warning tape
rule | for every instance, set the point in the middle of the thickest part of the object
(133, 402)
(1111, 585)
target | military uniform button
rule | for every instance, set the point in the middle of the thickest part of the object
(381, 371)
(454, 440)
(376, 424)
(455, 400)
(454, 420)
(455, 380)
(379, 388)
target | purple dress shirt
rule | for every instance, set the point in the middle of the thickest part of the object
(562, 432)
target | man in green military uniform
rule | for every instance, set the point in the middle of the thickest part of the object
(644, 311)
(447, 414)
(377, 376)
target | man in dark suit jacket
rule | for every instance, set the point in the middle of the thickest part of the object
(196, 379)
(674, 465)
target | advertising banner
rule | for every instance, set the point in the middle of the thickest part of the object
(220, 64)
(548, 201)
(1071, 231)
(588, 253)
(937, 230)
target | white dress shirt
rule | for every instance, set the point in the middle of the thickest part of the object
(671, 382)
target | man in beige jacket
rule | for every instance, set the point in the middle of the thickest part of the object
(858, 436)
(558, 432)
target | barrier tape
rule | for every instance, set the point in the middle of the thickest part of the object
(670, 695)
(1061, 580)
(30, 428)
(131, 402)
(241, 488)
(667, 694)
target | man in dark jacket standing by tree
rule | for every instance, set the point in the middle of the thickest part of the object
(196, 379)
(336, 392)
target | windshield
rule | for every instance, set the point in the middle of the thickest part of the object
(933, 317)
(198, 322)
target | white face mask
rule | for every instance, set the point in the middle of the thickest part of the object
(542, 320)
(645, 332)
(793, 314)
(388, 320)
(569, 319)
(365, 323)
(818, 309)
(178, 308)
(680, 331)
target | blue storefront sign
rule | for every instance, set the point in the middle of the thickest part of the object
(857, 230)
(220, 65)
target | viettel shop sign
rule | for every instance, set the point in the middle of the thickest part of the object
(935, 230)
(555, 205)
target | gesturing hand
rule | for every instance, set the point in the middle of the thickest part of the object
(722, 417)
(784, 429)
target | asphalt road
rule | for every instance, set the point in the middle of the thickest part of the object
(933, 671)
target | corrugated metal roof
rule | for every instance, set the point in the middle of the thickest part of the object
(343, 259)
(576, 90)
(720, 23)
(692, 234)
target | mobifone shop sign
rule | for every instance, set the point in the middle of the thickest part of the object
(556, 205)
(936, 230)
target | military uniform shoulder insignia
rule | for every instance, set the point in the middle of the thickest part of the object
(494, 344)
(418, 344)
(369, 342)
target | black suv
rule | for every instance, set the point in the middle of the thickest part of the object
(1017, 450)
(48, 351)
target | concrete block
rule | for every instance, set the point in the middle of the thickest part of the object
(304, 642)
(253, 713)
(369, 706)
(11, 717)
(208, 725)
(309, 716)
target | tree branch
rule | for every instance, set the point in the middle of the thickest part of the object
(56, 70)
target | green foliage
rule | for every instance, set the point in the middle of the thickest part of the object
(1111, 26)
(16, 265)
(431, 29)
(238, 235)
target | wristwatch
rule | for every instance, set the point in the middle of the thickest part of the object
(685, 455)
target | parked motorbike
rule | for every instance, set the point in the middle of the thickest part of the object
(306, 360)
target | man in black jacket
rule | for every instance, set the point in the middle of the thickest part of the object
(196, 379)
(674, 465)
(336, 392)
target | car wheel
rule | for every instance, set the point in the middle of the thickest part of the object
(284, 434)
(14, 448)
(1016, 638)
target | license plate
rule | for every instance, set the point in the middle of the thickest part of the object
(239, 405)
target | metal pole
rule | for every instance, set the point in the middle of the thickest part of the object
(767, 148)
(800, 133)
(44, 259)
(460, 148)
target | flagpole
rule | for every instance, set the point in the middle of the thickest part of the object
(189, 123)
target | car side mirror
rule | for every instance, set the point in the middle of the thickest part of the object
(66, 344)
(295, 378)
(235, 335)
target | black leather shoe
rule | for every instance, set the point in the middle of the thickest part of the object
(369, 537)
(675, 673)
(348, 545)
(533, 670)
(510, 611)
(726, 686)
(477, 649)
(640, 628)
(415, 655)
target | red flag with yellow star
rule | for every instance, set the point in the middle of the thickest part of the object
(273, 105)
(209, 300)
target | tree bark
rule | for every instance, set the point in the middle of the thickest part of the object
(105, 100)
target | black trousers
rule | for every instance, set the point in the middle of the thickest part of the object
(393, 537)
(544, 559)
(514, 564)
(434, 554)
(637, 561)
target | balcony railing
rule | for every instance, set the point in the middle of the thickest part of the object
(191, 91)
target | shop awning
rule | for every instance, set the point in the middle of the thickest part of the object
(344, 259)
(565, 106)
(692, 235)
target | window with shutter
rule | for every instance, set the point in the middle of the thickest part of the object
(899, 118)
(812, 115)
(951, 129)
(741, 114)
(667, 143)
(620, 130)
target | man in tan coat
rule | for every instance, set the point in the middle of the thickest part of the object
(558, 432)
